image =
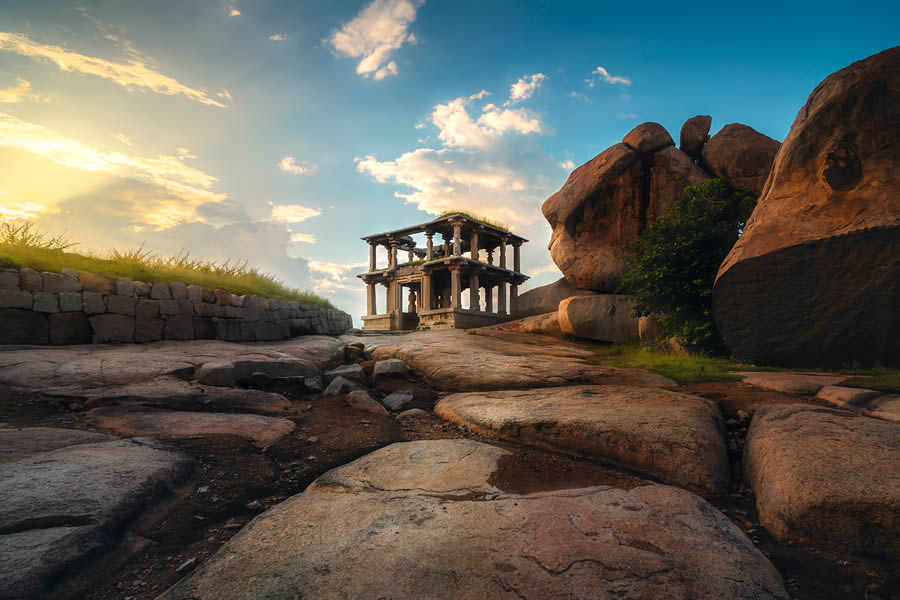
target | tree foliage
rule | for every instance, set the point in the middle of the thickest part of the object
(674, 263)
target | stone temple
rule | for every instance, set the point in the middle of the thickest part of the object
(469, 255)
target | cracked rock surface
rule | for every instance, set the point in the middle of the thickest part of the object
(352, 536)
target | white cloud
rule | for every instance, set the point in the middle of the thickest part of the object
(548, 268)
(230, 8)
(234, 13)
(604, 75)
(458, 128)
(375, 34)
(20, 91)
(224, 94)
(278, 37)
(303, 238)
(133, 74)
(122, 138)
(293, 213)
(188, 187)
(567, 164)
(338, 277)
(116, 35)
(289, 165)
(28, 210)
(524, 88)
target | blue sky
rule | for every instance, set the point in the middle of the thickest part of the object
(282, 132)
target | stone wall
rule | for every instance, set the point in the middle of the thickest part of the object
(71, 308)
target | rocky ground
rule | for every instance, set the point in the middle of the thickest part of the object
(124, 469)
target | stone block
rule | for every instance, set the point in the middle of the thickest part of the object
(223, 297)
(30, 280)
(206, 310)
(271, 331)
(56, 283)
(45, 302)
(125, 286)
(142, 289)
(186, 307)
(263, 303)
(93, 303)
(294, 305)
(299, 326)
(112, 328)
(195, 293)
(70, 328)
(160, 291)
(228, 330)
(9, 279)
(148, 329)
(179, 327)
(123, 305)
(97, 283)
(169, 307)
(204, 329)
(70, 302)
(234, 312)
(237, 300)
(248, 332)
(209, 296)
(178, 290)
(147, 309)
(23, 327)
(16, 299)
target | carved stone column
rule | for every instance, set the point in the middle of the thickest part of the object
(455, 288)
(501, 298)
(373, 263)
(371, 304)
(489, 298)
(517, 257)
(430, 247)
(503, 252)
(473, 250)
(457, 242)
(474, 298)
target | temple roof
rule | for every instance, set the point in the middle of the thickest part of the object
(444, 226)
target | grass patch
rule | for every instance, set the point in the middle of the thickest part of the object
(22, 246)
(883, 379)
(474, 217)
(684, 370)
(413, 263)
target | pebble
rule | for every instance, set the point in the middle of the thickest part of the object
(313, 440)
(255, 505)
(188, 564)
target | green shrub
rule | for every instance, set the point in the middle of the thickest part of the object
(674, 263)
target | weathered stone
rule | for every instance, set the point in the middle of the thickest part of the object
(93, 303)
(147, 309)
(56, 283)
(402, 523)
(674, 437)
(314, 384)
(647, 138)
(60, 507)
(845, 397)
(546, 324)
(112, 328)
(694, 135)
(208, 296)
(604, 317)
(412, 413)
(124, 286)
(30, 280)
(178, 290)
(23, 327)
(69, 273)
(390, 367)
(9, 279)
(741, 156)
(195, 293)
(45, 302)
(650, 331)
(160, 291)
(142, 289)
(96, 283)
(354, 372)
(229, 330)
(361, 400)
(451, 360)
(546, 298)
(885, 407)
(815, 277)
(605, 204)
(139, 420)
(169, 307)
(398, 400)
(16, 299)
(271, 331)
(70, 301)
(826, 478)
(216, 374)
(148, 329)
(223, 298)
(340, 386)
(790, 383)
(204, 329)
(234, 312)
(16, 444)
(121, 305)
(70, 328)
(207, 310)
(179, 327)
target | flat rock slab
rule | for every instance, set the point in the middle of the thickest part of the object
(825, 477)
(178, 394)
(58, 506)
(16, 444)
(790, 383)
(846, 397)
(349, 537)
(676, 438)
(139, 420)
(455, 361)
(885, 407)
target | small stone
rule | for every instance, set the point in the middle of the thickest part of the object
(45, 302)
(313, 440)
(57, 283)
(30, 280)
(223, 298)
(338, 387)
(255, 505)
(96, 283)
(125, 286)
(412, 413)
(9, 279)
(363, 401)
(354, 372)
(93, 303)
(186, 565)
(391, 367)
(178, 290)
(195, 293)
(142, 289)
(160, 291)
(121, 305)
(16, 299)
(398, 400)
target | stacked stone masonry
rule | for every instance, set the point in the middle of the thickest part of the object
(71, 308)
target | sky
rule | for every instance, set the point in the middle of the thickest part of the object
(281, 132)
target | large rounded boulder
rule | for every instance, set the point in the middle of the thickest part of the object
(546, 298)
(607, 202)
(815, 277)
(741, 156)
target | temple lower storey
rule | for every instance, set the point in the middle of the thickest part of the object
(442, 286)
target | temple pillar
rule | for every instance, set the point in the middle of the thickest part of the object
(455, 288)
(427, 302)
(513, 298)
(473, 250)
(489, 298)
(501, 298)
(446, 245)
(371, 303)
(490, 257)
(411, 256)
(430, 247)
(457, 242)
(503, 253)
(392, 256)
(412, 303)
(372, 258)
(517, 257)
(474, 298)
